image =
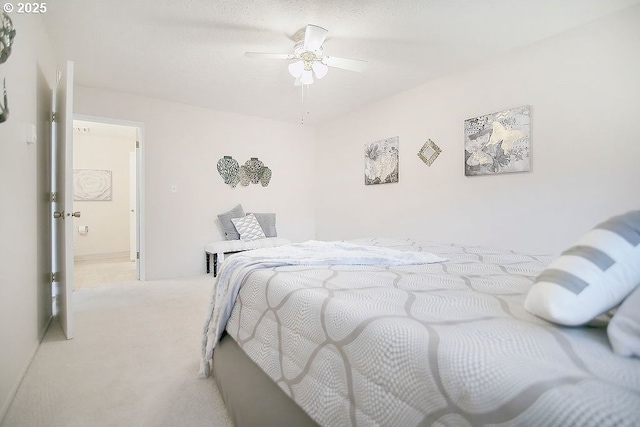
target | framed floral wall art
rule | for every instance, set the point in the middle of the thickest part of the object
(498, 142)
(381, 161)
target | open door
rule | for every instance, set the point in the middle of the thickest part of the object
(62, 188)
(43, 204)
(133, 196)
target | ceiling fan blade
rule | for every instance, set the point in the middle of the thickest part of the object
(314, 37)
(356, 65)
(269, 55)
(297, 82)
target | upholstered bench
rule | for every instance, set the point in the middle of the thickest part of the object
(216, 250)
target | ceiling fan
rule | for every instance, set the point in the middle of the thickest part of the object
(310, 59)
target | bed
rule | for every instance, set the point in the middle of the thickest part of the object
(445, 343)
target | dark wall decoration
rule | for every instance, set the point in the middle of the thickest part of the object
(7, 34)
(4, 107)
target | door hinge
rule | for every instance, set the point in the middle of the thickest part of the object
(137, 144)
(54, 197)
(53, 116)
(55, 277)
(137, 255)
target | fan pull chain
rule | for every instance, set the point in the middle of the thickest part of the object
(302, 104)
(303, 108)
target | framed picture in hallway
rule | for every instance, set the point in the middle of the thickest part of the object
(91, 185)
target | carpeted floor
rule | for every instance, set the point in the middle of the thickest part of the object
(103, 272)
(133, 361)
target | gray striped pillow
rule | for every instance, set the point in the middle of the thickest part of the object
(591, 277)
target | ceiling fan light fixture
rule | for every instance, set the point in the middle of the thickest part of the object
(296, 68)
(308, 57)
(319, 69)
(307, 77)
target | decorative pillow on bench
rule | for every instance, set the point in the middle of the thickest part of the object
(225, 218)
(249, 228)
(268, 223)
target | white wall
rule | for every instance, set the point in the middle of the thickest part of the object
(108, 220)
(182, 145)
(584, 91)
(18, 222)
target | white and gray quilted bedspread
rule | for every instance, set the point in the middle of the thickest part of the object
(443, 344)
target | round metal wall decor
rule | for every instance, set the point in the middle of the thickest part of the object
(245, 175)
(265, 177)
(253, 171)
(228, 168)
(235, 180)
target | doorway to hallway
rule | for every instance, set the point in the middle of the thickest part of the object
(105, 192)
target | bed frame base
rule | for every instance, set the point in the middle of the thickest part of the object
(251, 397)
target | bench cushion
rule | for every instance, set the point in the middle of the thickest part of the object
(226, 246)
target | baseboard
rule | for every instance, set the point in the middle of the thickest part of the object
(14, 390)
(92, 257)
(44, 332)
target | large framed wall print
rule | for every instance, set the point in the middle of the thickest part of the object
(498, 142)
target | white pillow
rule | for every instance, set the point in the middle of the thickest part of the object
(624, 329)
(249, 228)
(591, 277)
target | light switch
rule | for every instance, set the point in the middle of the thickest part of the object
(32, 135)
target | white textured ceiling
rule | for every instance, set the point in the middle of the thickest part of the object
(192, 51)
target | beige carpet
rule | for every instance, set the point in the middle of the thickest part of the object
(103, 272)
(133, 362)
